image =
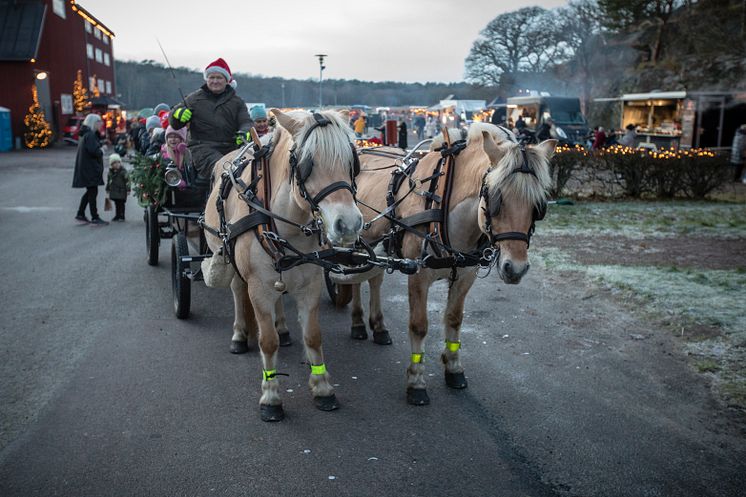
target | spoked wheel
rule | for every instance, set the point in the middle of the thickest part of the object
(181, 284)
(340, 295)
(152, 234)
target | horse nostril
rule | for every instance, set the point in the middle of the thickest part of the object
(358, 223)
(340, 226)
(508, 269)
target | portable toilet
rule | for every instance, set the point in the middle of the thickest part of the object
(6, 133)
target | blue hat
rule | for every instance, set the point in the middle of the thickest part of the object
(258, 112)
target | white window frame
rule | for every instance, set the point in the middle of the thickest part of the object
(107, 59)
(101, 85)
(58, 6)
(99, 56)
(91, 84)
(97, 33)
(88, 27)
(89, 50)
(108, 87)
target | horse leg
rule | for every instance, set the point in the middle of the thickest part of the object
(281, 324)
(416, 388)
(358, 331)
(270, 403)
(454, 315)
(380, 333)
(308, 315)
(244, 323)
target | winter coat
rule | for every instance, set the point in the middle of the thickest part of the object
(118, 184)
(89, 163)
(628, 140)
(215, 121)
(155, 143)
(360, 125)
(737, 149)
(403, 135)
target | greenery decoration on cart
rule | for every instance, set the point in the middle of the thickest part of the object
(148, 183)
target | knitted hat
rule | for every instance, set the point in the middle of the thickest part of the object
(114, 158)
(160, 108)
(152, 122)
(258, 112)
(181, 133)
(221, 67)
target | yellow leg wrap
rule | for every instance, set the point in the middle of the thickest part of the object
(269, 374)
(417, 358)
(318, 370)
(453, 346)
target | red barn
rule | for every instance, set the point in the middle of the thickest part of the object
(46, 42)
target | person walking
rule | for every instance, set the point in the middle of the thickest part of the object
(89, 169)
(737, 152)
(430, 127)
(117, 185)
(403, 135)
(360, 126)
(217, 117)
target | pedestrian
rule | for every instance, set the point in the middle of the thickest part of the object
(544, 132)
(738, 153)
(146, 137)
(430, 127)
(221, 120)
(419, 126)
(360, 126)
(402, 135)
(520, 123)
(599, 139)
(630, 136)
(258, 114)
(89, 168)
(117, 185)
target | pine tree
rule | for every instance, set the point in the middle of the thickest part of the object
(38, 134)
(80, 95)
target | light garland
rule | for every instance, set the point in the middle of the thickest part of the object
(38, 134)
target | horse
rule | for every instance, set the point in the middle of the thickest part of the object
(309, 180)
(498, 192)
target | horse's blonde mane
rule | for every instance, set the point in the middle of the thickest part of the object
(453, 133)
(328, 146)
(521, 185)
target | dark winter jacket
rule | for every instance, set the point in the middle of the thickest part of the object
(118, 184)
(215, 121)
(89, 163)
(403, 135)
(738, 147)
(155, 144)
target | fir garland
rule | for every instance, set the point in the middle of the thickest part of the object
(148, 183)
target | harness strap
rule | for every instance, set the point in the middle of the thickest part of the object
(424, 217)
(328, 190)
(319, 369)
(453, 346)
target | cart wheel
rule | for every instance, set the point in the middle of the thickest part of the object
(152, 235)
(340, 295)
(182, 285)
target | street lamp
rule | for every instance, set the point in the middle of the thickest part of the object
(283, 94)
(321, 75)
(41, 75)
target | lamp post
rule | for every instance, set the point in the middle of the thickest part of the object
(321, 76)
(283, 94)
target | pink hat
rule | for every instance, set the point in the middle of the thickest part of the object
(221, 67)
(181, 133)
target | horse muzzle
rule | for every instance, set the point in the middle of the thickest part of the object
(343, 224)
(512, 272)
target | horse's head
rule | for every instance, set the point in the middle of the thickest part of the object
(513, 198)
(324, 165)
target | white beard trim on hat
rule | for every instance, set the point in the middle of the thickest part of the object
(233, 84)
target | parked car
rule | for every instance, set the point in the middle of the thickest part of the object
(71, 129)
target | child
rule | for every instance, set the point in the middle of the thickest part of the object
(176, 149)
(117, 185)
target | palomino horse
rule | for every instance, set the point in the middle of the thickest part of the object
(311, 166)
(498, 192)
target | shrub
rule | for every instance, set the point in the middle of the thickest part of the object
(563, 165)
(703, 172)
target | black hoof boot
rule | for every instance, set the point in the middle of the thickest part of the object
(328, 403)
(417, 397)
(456, 380)
(285, 340)
(272, 413)
(239, 347)
(382, 337)
(358, 332)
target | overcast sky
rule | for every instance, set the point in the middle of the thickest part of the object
(373, 40)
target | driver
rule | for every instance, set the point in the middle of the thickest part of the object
(217, 118)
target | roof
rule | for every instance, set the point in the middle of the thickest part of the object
(658, 95)
(76, 7)
(20, 29)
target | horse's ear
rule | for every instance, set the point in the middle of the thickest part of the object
(345, 113)
(547, 148)
(490, 147)
(286, 121)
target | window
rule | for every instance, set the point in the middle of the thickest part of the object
(99, 55)
(89, 50)
(106, 40)
(107, 60)
(101, 85)
(97, 33)
(88, 27)
(108, 87)
(58, 6)
(91, 84)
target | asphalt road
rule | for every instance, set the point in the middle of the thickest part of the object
(103, 392)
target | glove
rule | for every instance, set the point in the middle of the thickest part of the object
(242, 138)
(182, 114)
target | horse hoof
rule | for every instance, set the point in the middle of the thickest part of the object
(285, 340)
(358, 332)
(456, 380)
(328, 403)
(417, 397)
(272, 414)
(239, 347)
(382, 337)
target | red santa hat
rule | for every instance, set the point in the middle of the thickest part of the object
(221, 67)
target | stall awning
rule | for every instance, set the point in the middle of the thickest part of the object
(655, 95)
